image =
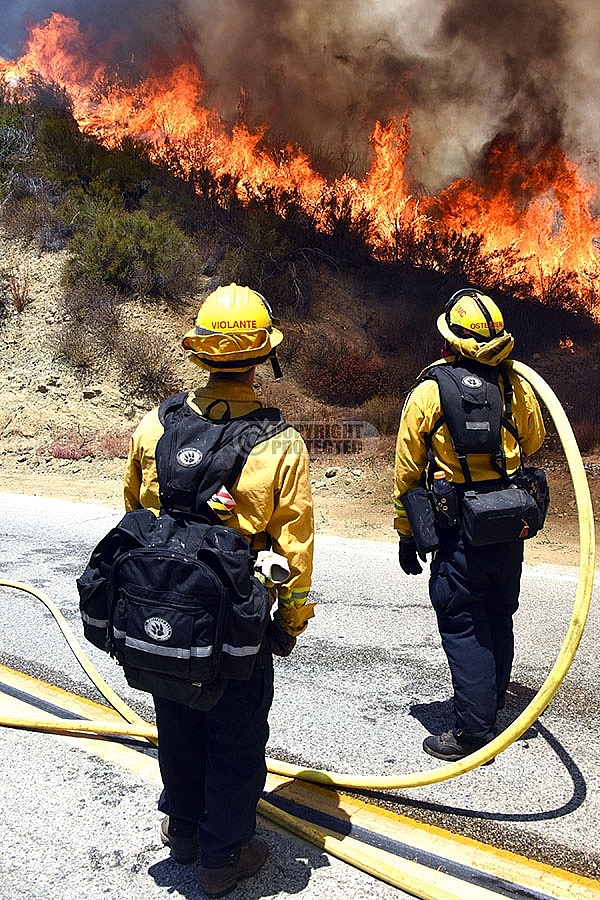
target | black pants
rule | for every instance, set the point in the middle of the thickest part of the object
(213, 763)
(475, 593)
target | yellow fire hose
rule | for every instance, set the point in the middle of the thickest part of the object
(563, 661)
(344, 847)
(138, 727)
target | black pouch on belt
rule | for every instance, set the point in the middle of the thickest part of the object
(510, 514)
(419, 512)
(534, 481)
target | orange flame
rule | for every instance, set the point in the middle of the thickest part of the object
(540, 209)
(543, 208)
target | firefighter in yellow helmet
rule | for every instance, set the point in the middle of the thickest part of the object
(474, 590)
(213, 762)
(234, 331)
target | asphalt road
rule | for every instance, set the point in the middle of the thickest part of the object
(366, 683)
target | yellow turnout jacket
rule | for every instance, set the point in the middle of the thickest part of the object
(272, 494)
(421, 411)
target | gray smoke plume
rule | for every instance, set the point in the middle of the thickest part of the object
(321, 72)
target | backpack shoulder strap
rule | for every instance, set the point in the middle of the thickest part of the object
(507, 420)
(260, 425)
(171, 408)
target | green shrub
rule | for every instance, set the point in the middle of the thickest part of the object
(264, 256)
(64, 155)
(16, 138)
(136, 254)
(14, 141)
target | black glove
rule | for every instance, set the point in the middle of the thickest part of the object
(280, 642)
(407, 554)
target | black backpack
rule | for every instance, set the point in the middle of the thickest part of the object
(475, 412)
(173, 597)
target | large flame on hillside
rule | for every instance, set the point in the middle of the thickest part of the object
(536, 208)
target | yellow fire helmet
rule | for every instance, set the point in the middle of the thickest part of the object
(471, 314)
(234, 331)
(473, 326)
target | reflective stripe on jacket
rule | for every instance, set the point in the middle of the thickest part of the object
(272, 494)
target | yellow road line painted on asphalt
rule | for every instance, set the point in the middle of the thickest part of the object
(351, 822)
(430, 839)
(43, 695)
(418, 880)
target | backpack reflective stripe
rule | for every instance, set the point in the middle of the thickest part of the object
(173, 597)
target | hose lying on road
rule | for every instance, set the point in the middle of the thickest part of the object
(563, 661)
(427, 886)
(137, 727)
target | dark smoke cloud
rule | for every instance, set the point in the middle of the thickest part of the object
(321, 72)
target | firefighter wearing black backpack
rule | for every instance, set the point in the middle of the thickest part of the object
(474, 590)
(212, 762)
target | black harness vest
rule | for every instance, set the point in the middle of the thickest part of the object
(474, 410)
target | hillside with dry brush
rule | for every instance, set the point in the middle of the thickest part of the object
(65, 431)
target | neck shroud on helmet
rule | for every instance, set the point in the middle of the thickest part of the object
(233, 331)
(473, 326)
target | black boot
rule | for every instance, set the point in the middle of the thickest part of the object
(182, 837)
(451, 746)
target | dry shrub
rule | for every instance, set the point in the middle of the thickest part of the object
(71, 444)
(5, 306)
(409, 330)
(587, 434)
(342, 374)
(383, 411)
(16, 276)
(76, 349)
(113, 444)
(76, 443)
(24, 215)
(91, 327)
(35, 219)
(293, 345)
(96, 304)
(145, 371)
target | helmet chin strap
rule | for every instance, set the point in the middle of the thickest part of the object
(277, 372)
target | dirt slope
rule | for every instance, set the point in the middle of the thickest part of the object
(42, 401)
